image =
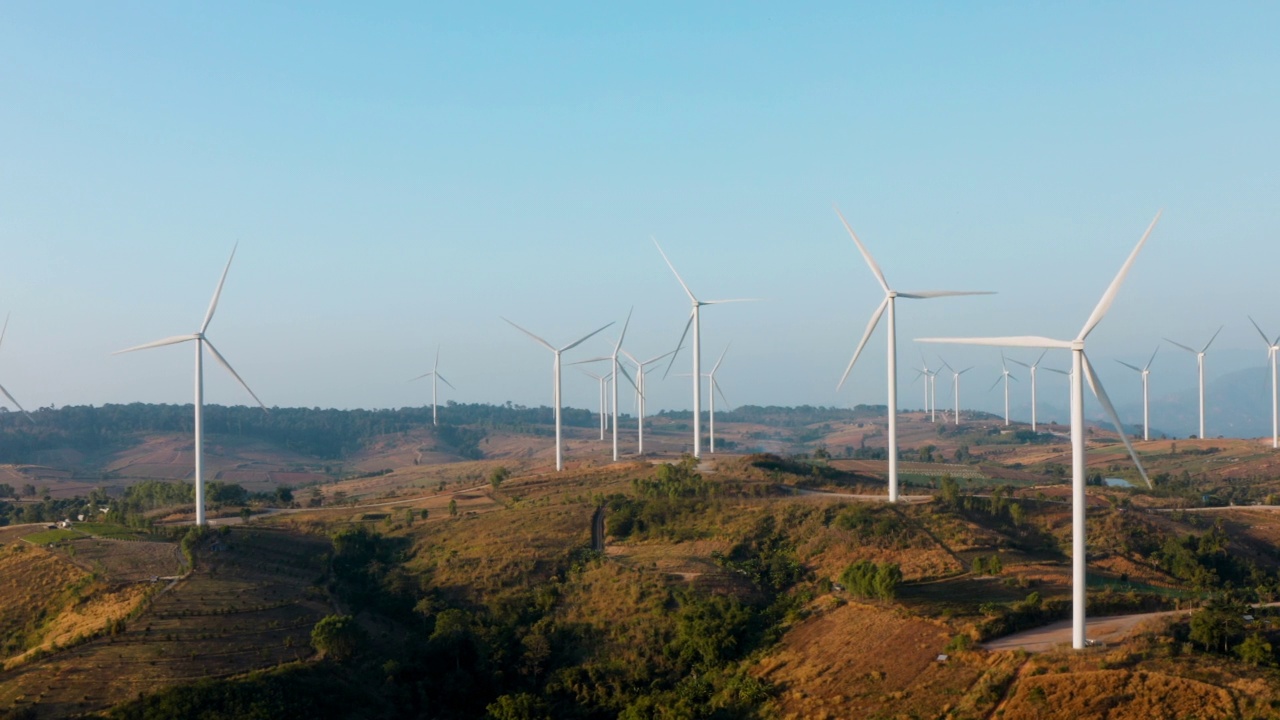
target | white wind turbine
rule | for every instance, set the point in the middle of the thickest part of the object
(1081, 367)
(1031, 369)
(2, 390)
(1273, 347)
(930, 388)
(638, 383)
(603, 380)
(889, 303)
(556, 376)
(1006, 376)
(695, 322)
(617, 348)
(1145, 372)
(955, 381)
(201, 343)
(713, 387)
(1200, 370)
(434, 375)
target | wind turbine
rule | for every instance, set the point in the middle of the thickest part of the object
(889, 303)
(638, 384)
(713, 387)
(201, 343)
(695, 322)
(1273, 347)
(617, 347)
(1081, 367)
(556, 375)
(930, 385)
(602, 379)
(2, 390)
(1032, 370)
(434, 375)
(1006, 376)
(1145, 371)
(1200, 368)
(955, 381)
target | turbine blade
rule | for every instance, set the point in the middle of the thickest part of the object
(540, 341)
(1215, 337)
(626, 375)
(4, 329)
(719, 302)
(865, 255)
(717, 365)
(446, 382)
(1096, 385)
(213, 304)
(592, 360)
(158, 343)
(927, 294)
(218, 356)
(716, 385)
(994, 384)
(437, 365)
(1019, 362)
(965, 370)
(618, 346)
(1153, 357)
(679, 279)
(679, 345)
(1184, 347)
(1109, 296)
(1013, 377)
(1131, 367)
(630, 357)
(15, 403)
(582, 339)
(656, 358)
(590, 374)
(1056, 370)
(1255, 327)
(1009, 341)
(871, 326)
(1042, 354)
(423, 376)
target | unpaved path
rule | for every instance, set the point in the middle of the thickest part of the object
(1109, 630)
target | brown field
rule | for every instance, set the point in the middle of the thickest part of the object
(250, 604)
(127, 561)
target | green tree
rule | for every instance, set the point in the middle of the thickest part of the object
(950, 490)
(6, 490)
(522, 706)
(498, 476)
(337, 637)
(1017, 514)
(453, 507)
(1254, 650)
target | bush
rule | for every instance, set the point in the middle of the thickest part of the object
(337, 637)
(871, 580)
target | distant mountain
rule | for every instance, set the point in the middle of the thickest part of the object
(1237, 404)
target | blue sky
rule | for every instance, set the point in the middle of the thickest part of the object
(400, 176)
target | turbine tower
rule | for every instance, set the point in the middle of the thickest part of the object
(712, 388)
(201, 343)
(556, 379)
(1031, 369)
(617, 347)
(604, 407)
(1200, 370)
(889, 303)
(1081, 368)
(1273, 347)
(1006, 376)
(1145, 371)
(2, 390)
(434, 375)
(930, 397)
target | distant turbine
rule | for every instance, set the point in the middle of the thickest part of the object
(1006, 376)
(201, 343)
(712, 388)
(930, 386)
(889, 302)
(617, 347)
(639, 384)
(556, 375)
(602, 379)
(955, 381)
(695, 322)
(1273, 347)
(1145, 371)
(434, 375)
(2, 390)
(1200, 368)
(1031, 369)
(1080, 366)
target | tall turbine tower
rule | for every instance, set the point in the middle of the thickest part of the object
(1273, 347)
(929, 385)
(1145, 371)
(1006, 376)
(889, 303)
(434, 375)
(556, 375)
(955, 382)
(712, 388)
(1031, 369)
(1200, 370)
(2, 390)
(695, 322)
(604, 407)
(617, 347)
(1081, 368)
(201, 343)
(638, 384)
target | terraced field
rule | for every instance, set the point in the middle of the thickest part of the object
(250, 604)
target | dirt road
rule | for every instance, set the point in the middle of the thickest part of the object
(1109, 630)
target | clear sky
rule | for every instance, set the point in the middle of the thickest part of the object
(400, 175)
